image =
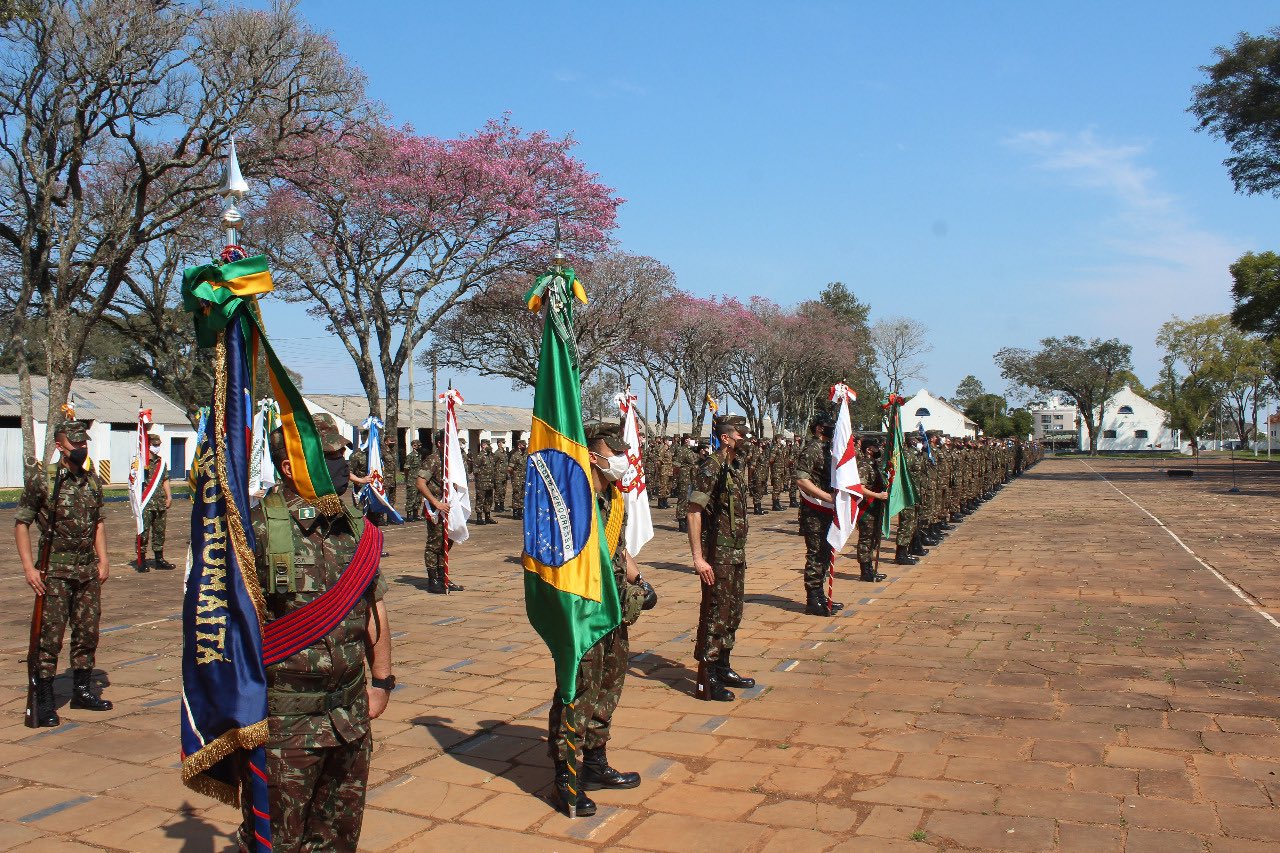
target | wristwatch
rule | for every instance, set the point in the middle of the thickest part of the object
(388, 684)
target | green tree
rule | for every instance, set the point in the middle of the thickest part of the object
(986, 410)
(1022, 422)
(1086, 373)
(1256, 289)
(1240, 104)
(969, 389)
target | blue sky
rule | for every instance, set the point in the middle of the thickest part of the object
(1002, 172)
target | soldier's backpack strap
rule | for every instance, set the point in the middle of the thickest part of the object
(281, 575)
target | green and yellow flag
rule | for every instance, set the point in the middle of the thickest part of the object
(902, 492)
(569, 593)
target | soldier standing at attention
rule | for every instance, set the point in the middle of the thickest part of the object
(412, 497)
(483, 470)
(155, 512)
(869, 519)
(687, 456)
(318, 703)
(501, 476)
(517, 462)
(664, 467)
(604, 666)
(429, 484)
(78, 566)
(717, 523)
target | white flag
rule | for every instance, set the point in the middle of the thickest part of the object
(845, 484)
(262, 471)
(633, 486)
(141, 491)
(456, 493)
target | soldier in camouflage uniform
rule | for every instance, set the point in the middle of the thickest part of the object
(429, 484)
(778, 465)
(664, 467)
(78, 566)
(604, 666)
(517, 463)
(718, 540)
(872, 478)
(501, 475)
(907, 535)
(318, 703)
(813, 477)
(759, 475)
(412, 497)
(482, 468)
(687, 459)
(155, 513)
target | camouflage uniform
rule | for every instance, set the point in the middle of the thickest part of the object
(664, 466)
(358, 463)
(602, 670)
(154, 513)
(412, 497)
(482, 469)
(320, 742)
(432, 471)
(73, 593)
(517, 462)
(814, 465)
(720, 491)
(778, 471)
(501, 477)
(759, 474)
(908, 516)
(869, 519)
(687, 459)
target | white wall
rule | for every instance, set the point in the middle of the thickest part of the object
(1145, 416)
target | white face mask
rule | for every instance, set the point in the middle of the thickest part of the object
(618, 467)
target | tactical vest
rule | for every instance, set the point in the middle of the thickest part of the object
(282, 558)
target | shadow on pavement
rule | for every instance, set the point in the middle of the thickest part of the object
(197, 834)
(492, 741)
(655, 667)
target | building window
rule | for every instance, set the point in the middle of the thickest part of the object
(1044, 419)
(1057, 417)
(1108, 433)
(1139, 433)
(922, 412)
(1125, 410)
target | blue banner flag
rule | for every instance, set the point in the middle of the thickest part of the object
(224, 684)
(373, 494)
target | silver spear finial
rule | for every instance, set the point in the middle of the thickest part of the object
(234, 188)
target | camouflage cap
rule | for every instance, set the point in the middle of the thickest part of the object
(153, 440)
(331, 438)
(722, 422)
(609, 433)
(75, 431)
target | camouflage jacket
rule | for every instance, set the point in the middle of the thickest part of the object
(75, 522)
(517, 462)
(358, 462)
(814, 464)
(333, 665)
(412, 462)
(482, 468)
(720, 489)
(432, 470)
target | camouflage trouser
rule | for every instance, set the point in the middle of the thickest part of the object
(906, 527)
(391, 492)
(500, 494)
(682, 497)
(153, 523)
(74, 600)
(779, 486)
(791, 490)
(721, 611)
(664, 486)
(757, 489)
(600, 676)
(484, 498)
(433, 552)
(413, 500)
(316, 796)
(517, 494)
(867, 522)
(817, 550)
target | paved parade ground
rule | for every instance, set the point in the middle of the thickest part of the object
(1065, 672)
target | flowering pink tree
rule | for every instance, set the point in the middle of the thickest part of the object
(690, 347)
(383, 231)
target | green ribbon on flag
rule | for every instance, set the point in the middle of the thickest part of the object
(902, 492)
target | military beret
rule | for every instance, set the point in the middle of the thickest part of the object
(609, 433)
(75, 431)
(722, 422)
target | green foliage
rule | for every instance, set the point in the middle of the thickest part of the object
(1022, 421)
(1211, 369)
(968, 390)
(860, 373)
(1256, 290)
(986, 410)
(1240, 104)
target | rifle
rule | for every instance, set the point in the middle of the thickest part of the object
(37, 611)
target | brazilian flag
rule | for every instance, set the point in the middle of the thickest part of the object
(569, 592)
(902, 492)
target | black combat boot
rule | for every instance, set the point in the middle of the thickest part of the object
(917, 545)
(903, 557)
(793, 503)
(869, 574)
(435, 581)
(583, 805)
(817, 605)
(682, 524)
(518, 514)
(450, 586)
(161, 563)
(662, 503)
(928, 536)
(140, 565)
(46, 709)
(81, 694)
(728, 677)
(777, 504)
(597, 774)
(709, 686)
(500, 506)
(759, 509)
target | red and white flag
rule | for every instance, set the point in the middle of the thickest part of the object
(141, 490)
(456, 492)
(846, 487)
(633, 486)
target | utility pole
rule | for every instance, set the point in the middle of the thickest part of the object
(413, 432)
(435, 370)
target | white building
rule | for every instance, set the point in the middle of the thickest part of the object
(936, 414)
(475, 422)
(1131, 423)
(1053, 416)
(113, 409)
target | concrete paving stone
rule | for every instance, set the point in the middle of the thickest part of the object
(1261, 824)
(1169, 815)
(991, 832)
(1089, 838)
(672, 833)
(891, 822)
(1156, 841)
